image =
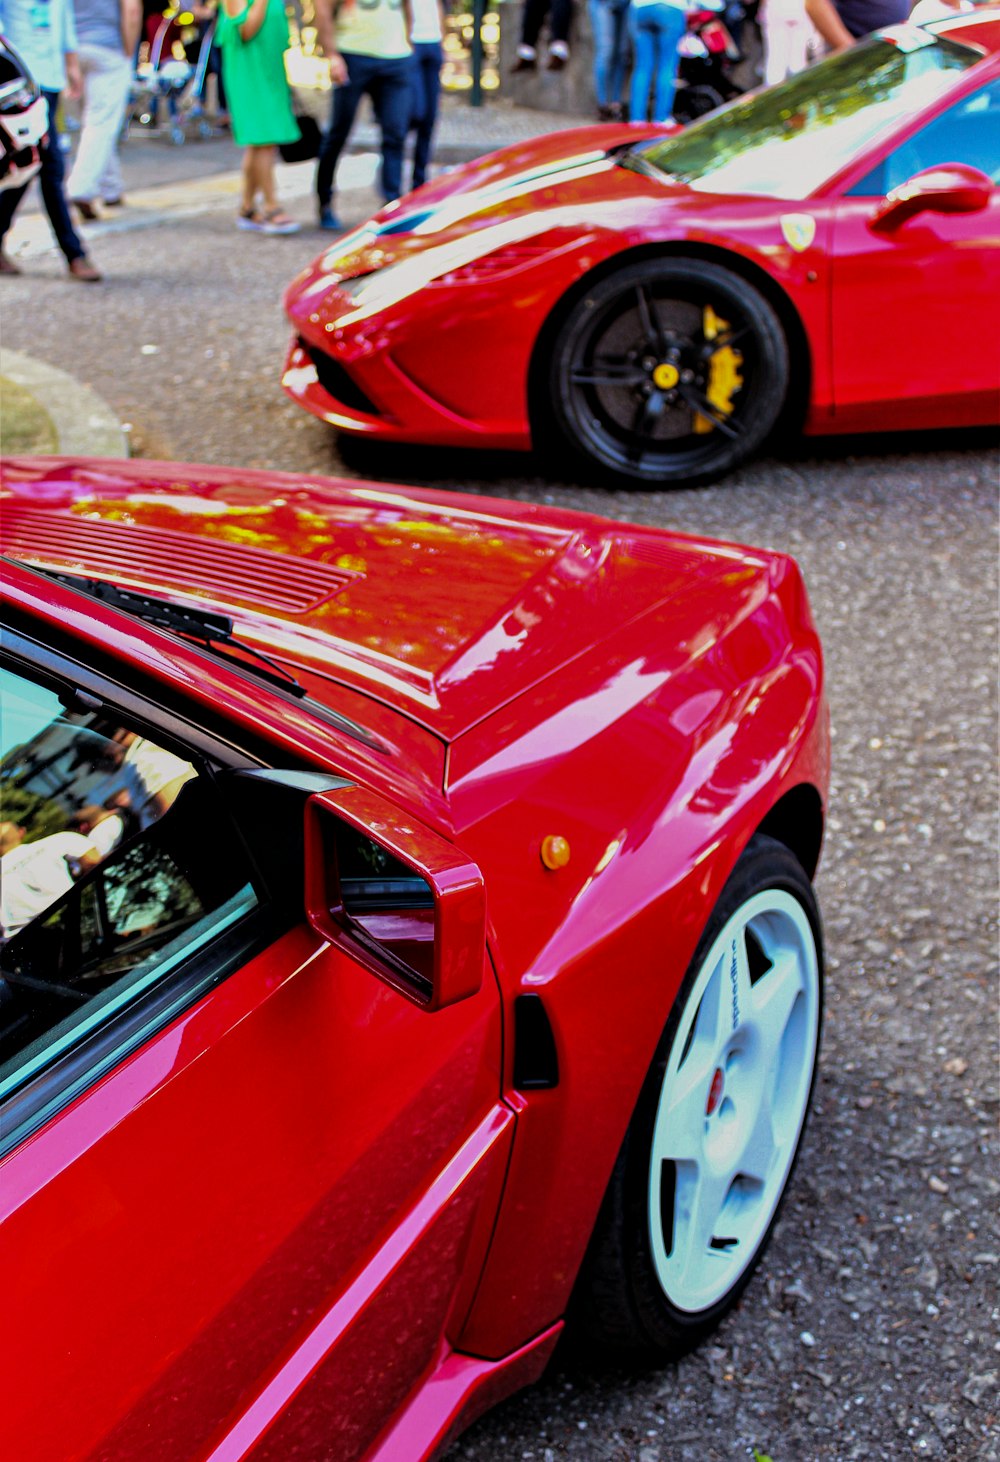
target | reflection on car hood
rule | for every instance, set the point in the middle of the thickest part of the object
(443, 608)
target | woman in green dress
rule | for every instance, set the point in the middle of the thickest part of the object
(253, 36)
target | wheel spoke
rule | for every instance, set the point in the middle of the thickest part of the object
(773, 998)
(700, 402)
(608, 370)
(725, 340)
(649, 318)
(647, 414)
(680, 1128)
(698, 1199)
(761, 1146)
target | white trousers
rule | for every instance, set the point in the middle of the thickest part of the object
(107, 76)
(790, 39)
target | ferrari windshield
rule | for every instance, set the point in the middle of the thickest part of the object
(785, 141)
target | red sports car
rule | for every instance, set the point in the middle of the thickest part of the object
(823, 254)
(408, 941)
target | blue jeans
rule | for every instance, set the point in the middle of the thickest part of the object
(388, 85)
(50, 178)
(609, 23)
(425, 84)
(656, 33)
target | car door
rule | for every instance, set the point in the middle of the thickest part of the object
(916, 310)
(247, 1184)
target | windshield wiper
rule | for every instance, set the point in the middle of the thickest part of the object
(212, 631)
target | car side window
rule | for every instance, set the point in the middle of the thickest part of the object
(968, 132)
(117, 864)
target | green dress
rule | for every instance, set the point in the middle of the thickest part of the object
(260, 104)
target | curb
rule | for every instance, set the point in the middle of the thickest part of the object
(85, 424)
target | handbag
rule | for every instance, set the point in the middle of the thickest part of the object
(309, 140)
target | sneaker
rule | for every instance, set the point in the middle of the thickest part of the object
(527, 59)
(82, 269)
(118, 202)
(558, 55)
(329, 221)
(86, 209)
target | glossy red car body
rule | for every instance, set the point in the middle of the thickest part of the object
(489, 257)
(304, 1216)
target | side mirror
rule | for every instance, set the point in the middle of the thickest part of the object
(398, 898)
(951, 188)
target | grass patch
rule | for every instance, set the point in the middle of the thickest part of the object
(24, 425)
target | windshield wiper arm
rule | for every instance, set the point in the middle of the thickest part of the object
(213, 631)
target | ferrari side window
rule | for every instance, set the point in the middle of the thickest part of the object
(968, 132)
(117, 864)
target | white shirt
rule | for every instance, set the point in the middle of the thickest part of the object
(34, 875)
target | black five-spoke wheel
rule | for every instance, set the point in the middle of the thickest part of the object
(669, 371)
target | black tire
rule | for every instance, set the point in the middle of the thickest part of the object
(635, 356)
(639, 1299)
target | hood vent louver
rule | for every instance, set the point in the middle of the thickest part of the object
(158, 558)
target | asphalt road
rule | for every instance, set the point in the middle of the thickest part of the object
(871, 1329)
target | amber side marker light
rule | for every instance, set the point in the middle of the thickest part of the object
(555, 853)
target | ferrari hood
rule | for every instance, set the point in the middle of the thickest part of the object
(566, 183)
(441, 608)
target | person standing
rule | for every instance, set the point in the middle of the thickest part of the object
(840, 24)
(426, 36)
(789, 36)
(560, 16)
(657, 27)
(107, 33)
(44, 35)
(369, 52)
(253, 36)
(609, 23)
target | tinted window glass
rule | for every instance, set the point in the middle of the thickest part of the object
(968, 132)
(785, 141)
(117, 862)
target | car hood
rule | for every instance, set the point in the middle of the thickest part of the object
(550, 190)
(441, 608)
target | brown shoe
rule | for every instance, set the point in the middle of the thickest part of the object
(82, 269)
(7, 265)
(85, 209)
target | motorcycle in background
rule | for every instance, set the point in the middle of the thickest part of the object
(708, 55)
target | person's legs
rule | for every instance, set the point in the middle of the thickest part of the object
(389, 90)
(345, 105)
(642, 65)
(532, 20)
(50, 180)
(671, 24)
(427, 67)
(107, 76)
(619, 53)
(602, 25)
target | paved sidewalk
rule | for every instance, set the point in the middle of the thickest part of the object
(167, 185)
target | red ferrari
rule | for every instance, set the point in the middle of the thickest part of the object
(819, 255)
(408, 942)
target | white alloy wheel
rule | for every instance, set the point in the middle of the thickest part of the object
(733, 1100)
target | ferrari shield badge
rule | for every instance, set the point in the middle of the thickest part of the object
(798, 230)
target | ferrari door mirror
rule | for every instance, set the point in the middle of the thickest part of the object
(400, 899)
(951, 188)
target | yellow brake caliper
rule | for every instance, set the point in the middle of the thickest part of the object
(724, 378)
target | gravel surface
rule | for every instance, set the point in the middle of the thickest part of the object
(871, 1329)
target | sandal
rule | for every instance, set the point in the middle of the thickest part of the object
(277, 222)
(247, 218)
